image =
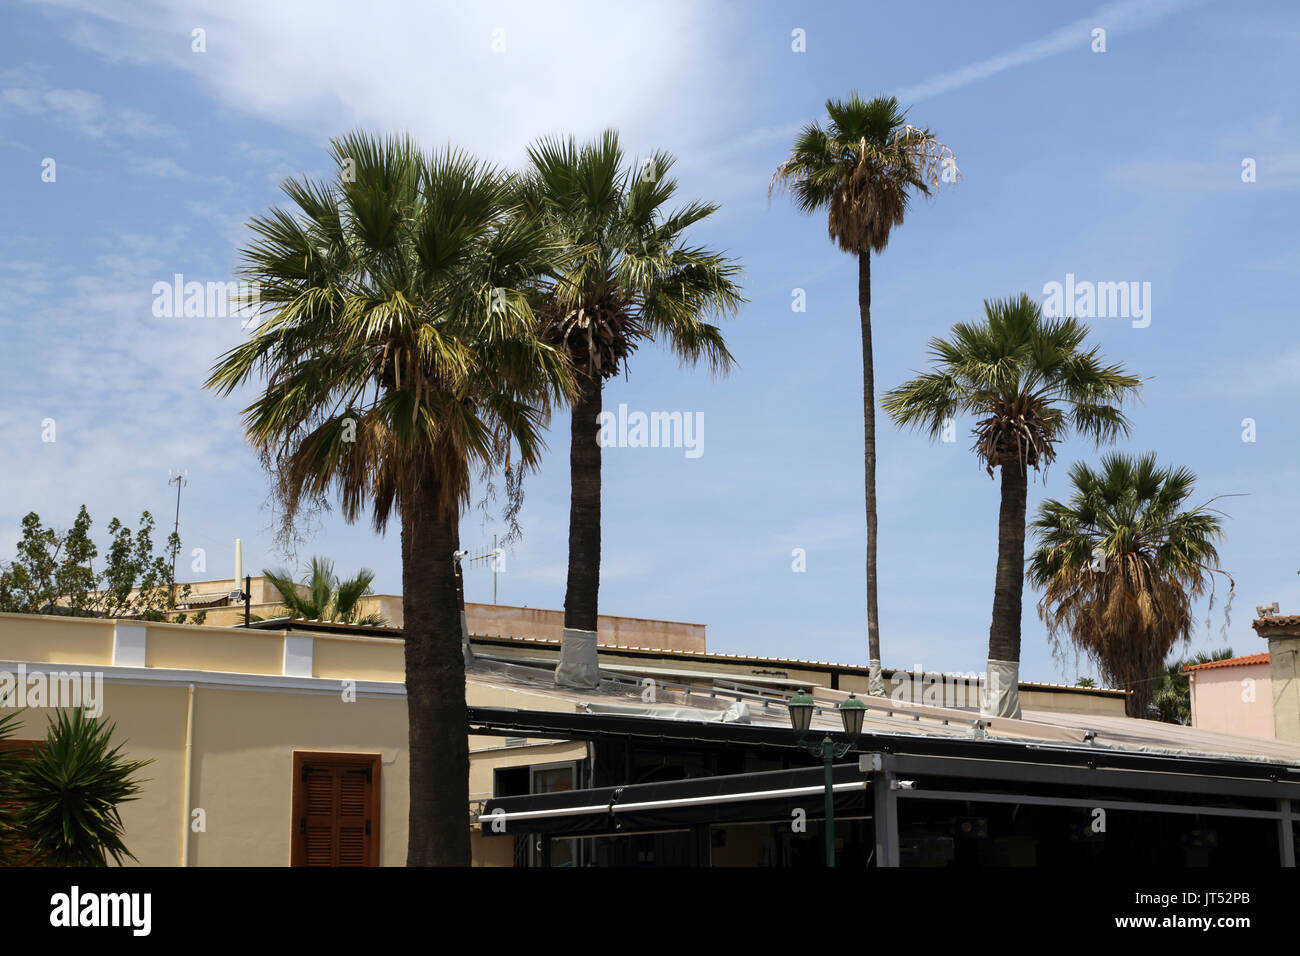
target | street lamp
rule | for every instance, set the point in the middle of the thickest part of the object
(851, 711)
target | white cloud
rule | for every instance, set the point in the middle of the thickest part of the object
(1114, 18)
(82, 111)
(430, 68)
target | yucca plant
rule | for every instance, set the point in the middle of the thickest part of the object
(69, 790)
(863, 168)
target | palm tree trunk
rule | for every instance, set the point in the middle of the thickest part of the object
(578, 665)
(875, 682)
(435, 685)
(1002, 691)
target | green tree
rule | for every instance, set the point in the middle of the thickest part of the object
(68, 793)
(322, 595)
(55, 573)
(400, 355)
(1029, 382)
(1121, 564)
(863, 168)
(629, 276)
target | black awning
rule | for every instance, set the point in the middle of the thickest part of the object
(565, 725)
(734, 798)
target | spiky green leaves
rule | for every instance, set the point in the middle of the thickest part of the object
(629, 274)
(68, 793)
(1121, 563)
(863, 168)
(1026, 379)
(397, 337)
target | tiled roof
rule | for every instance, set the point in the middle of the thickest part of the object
(1268, 623)
(1230, 662)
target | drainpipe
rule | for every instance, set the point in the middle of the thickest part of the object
(185, 776)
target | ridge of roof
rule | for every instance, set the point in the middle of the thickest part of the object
(1277, 620)
(1229, 662)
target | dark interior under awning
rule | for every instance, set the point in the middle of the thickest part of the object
(648, 806)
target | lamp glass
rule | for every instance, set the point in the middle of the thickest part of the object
(851, 713)
(801, 708)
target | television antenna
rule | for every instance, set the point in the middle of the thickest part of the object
(494, 557)
(180, 477)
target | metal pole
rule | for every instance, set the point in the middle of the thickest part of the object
(248, 599)
(1286, 839)
(495, 562)
(828, 754)
(176, 529)
(885, 818)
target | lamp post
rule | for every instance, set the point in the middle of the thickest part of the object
(851, 713)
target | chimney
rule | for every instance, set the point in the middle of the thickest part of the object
(239, 566)
(1283, 636)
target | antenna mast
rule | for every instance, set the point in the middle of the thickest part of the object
(180, 478)
(496, 556)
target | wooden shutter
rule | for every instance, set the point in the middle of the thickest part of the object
(24, 855)
(336, 809)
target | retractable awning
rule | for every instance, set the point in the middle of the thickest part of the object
(649, 806)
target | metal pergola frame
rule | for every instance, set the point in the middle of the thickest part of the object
(887, 771)
(886, 761)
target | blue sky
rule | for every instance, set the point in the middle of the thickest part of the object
(1123, 165)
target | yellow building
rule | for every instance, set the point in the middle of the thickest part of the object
(286, 743)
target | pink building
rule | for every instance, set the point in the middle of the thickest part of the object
(1234, 696)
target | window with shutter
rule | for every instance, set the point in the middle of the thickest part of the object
(335, 809)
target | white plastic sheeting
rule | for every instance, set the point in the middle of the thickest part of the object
(1000, 695)
(737, 713)
(466, 651)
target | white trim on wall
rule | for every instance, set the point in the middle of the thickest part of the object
(130, 643)
(216, 680)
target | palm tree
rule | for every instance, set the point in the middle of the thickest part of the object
(1172, 702)
(630, 277)
(1120, 565)
(326, 597)
(399, 354)
(68, 792)
(863, 168)
(1030, 382)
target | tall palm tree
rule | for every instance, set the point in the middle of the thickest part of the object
(1029, 382)
(863, 168)
(631, 276)
(1121, 564)
(399, 354)
(323, 596)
